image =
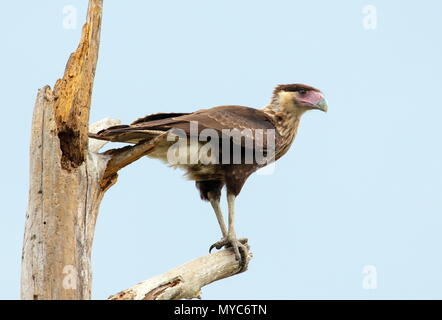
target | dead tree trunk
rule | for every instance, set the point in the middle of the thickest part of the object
(68, 179)
(65, 191)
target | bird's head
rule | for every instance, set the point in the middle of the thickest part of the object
(298, 98)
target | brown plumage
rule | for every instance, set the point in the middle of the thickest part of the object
(281, 118)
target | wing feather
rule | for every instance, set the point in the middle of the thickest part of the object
(218, 118)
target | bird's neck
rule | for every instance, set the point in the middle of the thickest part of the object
(286, 120)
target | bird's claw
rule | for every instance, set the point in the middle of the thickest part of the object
(239, 246)
(225, 243)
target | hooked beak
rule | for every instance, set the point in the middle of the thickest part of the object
(322, 105)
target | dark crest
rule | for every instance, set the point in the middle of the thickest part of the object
(293, 88)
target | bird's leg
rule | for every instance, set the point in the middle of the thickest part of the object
(224, 242)
(214, 201)
(239, 248)
(230, 240)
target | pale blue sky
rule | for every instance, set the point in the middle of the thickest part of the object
(362, 185)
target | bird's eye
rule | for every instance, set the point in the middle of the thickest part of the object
(302, 91)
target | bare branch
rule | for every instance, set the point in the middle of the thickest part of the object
(185, 281)
(124, 156)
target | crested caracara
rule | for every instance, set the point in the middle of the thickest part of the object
(270, 131)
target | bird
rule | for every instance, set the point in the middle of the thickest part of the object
(271, 131)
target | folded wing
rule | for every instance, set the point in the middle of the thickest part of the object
(222, 119)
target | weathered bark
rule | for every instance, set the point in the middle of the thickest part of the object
(65, 192)
(185, 281)
(63, 207)
(68, 179)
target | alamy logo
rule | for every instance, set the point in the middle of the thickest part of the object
(370, 19)
(370, 279)
(70, 278)
(70, 17)
(246, 146)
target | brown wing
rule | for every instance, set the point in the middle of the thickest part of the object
(158, 116)
(138, 130)
(231, 117)
(218, 118)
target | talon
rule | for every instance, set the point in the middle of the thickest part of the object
(224, 242)
(244, 257)
(241, 253)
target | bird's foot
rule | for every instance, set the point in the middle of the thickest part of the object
(240, 248)
(225, 243)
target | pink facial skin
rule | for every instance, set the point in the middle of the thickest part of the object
(311, 97)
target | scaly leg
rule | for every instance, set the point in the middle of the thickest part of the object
(230, 240)
(239, 248)
(224, 242)
(214, 201)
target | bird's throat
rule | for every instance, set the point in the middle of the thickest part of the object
(286, 122)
